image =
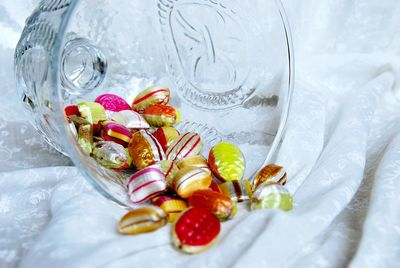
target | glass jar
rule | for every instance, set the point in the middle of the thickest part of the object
(228, 64)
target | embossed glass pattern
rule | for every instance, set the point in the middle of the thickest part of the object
(229, 66)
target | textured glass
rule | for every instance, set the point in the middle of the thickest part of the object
(228, 65)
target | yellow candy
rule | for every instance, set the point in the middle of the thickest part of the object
(226, 161)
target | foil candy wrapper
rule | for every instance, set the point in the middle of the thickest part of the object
(111, 155)
(144, 149)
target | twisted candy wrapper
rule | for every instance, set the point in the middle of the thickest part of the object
(151, 96)
(145, 149)
(146, 184)
(111, 155)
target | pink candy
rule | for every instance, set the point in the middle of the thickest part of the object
(113, 102)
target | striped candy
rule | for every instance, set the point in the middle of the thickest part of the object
(189, 180)
(183, 146)
(226, 161)
(239, 191)
(270, 173)
(160, 115)
(170, 169)
(145, 149)
(193, 161)
(142, 220)
(272, 195)
(146, 184)
(130, 119)
(115, 132)
(171, 205)
(151, 96)
(165, 136)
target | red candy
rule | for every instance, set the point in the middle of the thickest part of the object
(113, 102)
(71, 110)
(116, 133)
(195, 230)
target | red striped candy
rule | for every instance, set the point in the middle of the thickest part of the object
(165, 136)
(183, 146)
(151, 96)
(115, 132)
(146, 184)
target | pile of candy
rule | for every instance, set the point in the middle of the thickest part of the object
(170, 171)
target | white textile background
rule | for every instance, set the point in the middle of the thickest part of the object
(341, 151)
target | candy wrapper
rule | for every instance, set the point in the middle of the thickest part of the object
(183, 146)
(130, 119)
(142, 220)
(272, 195)
(160, 115)
(239, 191)
(270, 173)
(111, 155)
(226, 161)
(165, 136)
(145, 149)
(151, 96)
(146, 184)
(195, 230)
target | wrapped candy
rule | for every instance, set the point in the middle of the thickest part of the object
(226, 161)
(160, 115)
(183, 146)
(195, 230)
(169, 169)
(145, 149)
(130, 119)
(165, 136)
(239, 191)
(151, 96)
(192, 161)
(112, 102)
(92, 112)
(271, 195)
(189, 180)
(85, 137)
(146, 184)
(142, 220)
(219, 204)
(115, 132)
(173, 206)
(270, 173)
(111, 155)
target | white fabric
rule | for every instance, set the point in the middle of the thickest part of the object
(341, 150)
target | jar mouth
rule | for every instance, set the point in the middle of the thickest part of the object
(195, 92)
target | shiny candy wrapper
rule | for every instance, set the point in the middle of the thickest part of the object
(271, 195)
(130, 119)
(270, 173)
(111, 155)
(169, 169)
(165, 136)
(195, 230)
(146, 184)
(92, 111)
(142, 220)
(85, 137)
(160, 115)
(145, 149)
(197, 161)
(173, 206)
(189, 180)
(151, 96)
(219, 204)
(239, 191)
(226, 161)
(111, 131)
(112, 102)
(185, 145)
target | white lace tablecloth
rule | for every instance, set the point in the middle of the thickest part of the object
(341, 151)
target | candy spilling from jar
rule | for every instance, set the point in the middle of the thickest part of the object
(172, 180)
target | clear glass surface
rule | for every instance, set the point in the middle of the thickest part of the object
(229, 65)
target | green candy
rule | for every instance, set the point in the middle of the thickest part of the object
(272, 196)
